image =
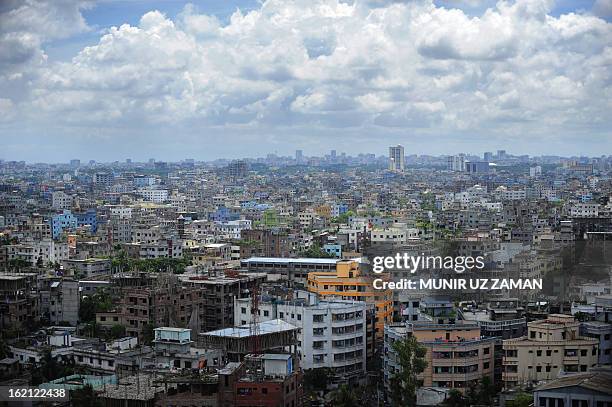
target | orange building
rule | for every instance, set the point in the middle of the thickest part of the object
(347, 283)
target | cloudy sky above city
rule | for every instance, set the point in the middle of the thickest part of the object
(108, 80)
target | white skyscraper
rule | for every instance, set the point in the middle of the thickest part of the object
(396, 158)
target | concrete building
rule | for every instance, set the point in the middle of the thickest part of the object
(333, 334)
(87, 268)
(59, 301)
(19, 303)
(457, 355)
(456, 163)
(60, 200)
(218, 292)
(292, 270)
(602, 331)
(153, 194)
(591, 389)
(396, 158)
(551, 346)
(347, 283)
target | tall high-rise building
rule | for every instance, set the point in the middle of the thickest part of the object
(396, 158)
(501, 154)
(456, 163)
(488, 156)
(299, 156)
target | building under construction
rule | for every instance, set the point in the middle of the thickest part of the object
(236, 342)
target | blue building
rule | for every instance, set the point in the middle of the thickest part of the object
(224, 214)
(88, 217)
(60, 222)
(333, 249)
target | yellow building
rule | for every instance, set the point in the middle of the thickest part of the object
(347, 283)
(551, 345)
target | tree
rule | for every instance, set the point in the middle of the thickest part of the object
(316, 252)
(521, 400)
(98, 302)
(316, 379)
(344, 396)
(455, 399)
(411, 357)
(117, 331)
(85, 397)
(148, 334)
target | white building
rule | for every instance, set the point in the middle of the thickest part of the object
(122, 212)
(584, 210)
(396, 158)
(153, 195)
(332, 334)
(233, 228)
(61, 200)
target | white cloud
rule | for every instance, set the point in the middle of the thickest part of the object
(324, 63)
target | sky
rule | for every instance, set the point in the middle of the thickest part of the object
(168, 79)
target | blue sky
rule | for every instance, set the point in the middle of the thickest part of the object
(224, 79)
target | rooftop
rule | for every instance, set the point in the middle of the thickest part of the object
(599, 381)
(284, 260)
(243, 331)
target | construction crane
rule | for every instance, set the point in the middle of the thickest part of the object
(254, 323)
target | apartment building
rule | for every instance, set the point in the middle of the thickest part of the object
(163, 305)
(218, 292)
(457, 355)
(61, 200)
(332, 334)
(347, 283)
(292, 270)
(264, 243)
(552, 345)
(59, 300)
(18, 301)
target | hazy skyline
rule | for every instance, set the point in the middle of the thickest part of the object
(109, 80)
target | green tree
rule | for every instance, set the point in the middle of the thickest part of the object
(85, 397)
(344, 396)
(117, 331)
(411, 357)
(148, 334)
(486, 391)
(521, 400)
(455, 399)
(316, 252)
(316, 379)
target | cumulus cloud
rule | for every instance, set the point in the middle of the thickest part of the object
(323, 63)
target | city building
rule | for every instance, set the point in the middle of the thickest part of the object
(552, 345)
(348, 283)
(457, 355)
(396, 158)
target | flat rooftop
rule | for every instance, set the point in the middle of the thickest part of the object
(244, 331)
(284, 260)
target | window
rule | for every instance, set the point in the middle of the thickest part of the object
(486, 351)
(539, 353)
(538, 369)
(548, 353)
(266, 313)
(548, 368)
(583, 352)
